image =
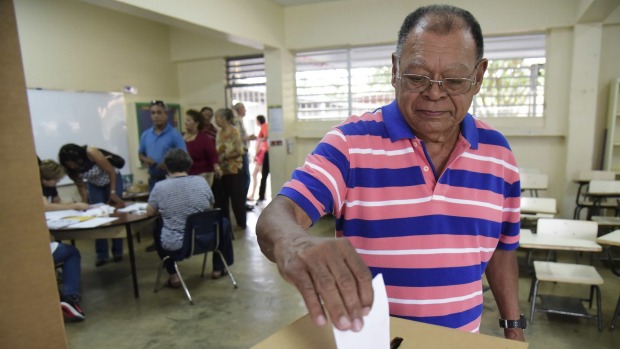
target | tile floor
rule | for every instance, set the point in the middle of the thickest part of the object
(223, 317)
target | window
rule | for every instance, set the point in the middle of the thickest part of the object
(514, 84)
(245, 83)
(338, 83)
(342, 82)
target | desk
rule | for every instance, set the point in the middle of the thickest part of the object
(612, 239)
(533, 241)
(122, 227)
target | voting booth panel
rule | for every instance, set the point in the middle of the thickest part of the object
(31, 316)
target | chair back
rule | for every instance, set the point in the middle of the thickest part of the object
(538, 205)
(201, 232)
(534, 181)
(567, 228)
(604, 186)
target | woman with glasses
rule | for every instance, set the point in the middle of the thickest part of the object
(98, 181)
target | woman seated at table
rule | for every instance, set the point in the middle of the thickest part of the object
(51, 172)
(175, 198)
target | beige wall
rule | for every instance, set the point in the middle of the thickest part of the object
(186, 46)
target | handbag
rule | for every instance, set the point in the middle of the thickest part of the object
(116, 160)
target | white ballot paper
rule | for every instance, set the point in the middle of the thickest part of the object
(376, 331)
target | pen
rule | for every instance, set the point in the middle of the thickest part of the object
(395, 343)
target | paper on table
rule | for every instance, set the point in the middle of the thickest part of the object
(376, 331)
(95, 222)
(52, 215)
(139, 206)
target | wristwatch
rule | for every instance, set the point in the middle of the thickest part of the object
(521, 323)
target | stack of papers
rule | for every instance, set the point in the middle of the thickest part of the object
(95, 216)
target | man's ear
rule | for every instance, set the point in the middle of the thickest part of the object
(480, 70)
(394, 68)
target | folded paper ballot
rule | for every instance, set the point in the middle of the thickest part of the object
(376, 331)
(137, 207)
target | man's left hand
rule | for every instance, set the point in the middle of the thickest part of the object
(514, 334)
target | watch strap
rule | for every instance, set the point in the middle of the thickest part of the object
(521, 323)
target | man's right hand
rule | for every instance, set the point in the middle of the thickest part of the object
(327, 270)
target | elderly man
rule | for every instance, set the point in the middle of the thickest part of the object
(240, 111)
(422, 192)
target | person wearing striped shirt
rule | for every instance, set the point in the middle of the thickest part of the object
(421, 191)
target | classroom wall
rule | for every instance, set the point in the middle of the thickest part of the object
(71, 45)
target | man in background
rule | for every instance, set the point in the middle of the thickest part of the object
(240, 112)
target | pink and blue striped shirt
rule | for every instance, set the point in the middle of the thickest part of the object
(430, 235)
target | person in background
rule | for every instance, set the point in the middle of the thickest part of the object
(97, 182)
(230, 151)
(261, 149)
(240, 111)
(175, 199)
(205, 161)
(154, 143)
(67, 256)
(422, 192)
(209, 128)
(264, 135)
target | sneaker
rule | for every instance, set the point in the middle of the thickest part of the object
(71, 308)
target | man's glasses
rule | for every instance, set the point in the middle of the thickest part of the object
(159, 103)
(451, 86)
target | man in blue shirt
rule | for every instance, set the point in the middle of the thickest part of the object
(154, 143)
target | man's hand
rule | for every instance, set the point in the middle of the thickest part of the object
(331, 271)
(514, 334)
(149, 161)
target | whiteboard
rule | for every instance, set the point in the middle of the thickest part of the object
(84, 118)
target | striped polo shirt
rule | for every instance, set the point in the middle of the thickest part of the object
(430, 235)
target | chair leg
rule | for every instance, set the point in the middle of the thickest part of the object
(230, 275)
(591, 296)
(189, 297)
(161, 266)
(616, 313)
(535, 291)
(204, 264)
(599, 314)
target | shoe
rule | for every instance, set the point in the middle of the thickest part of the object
(101, 262)
(117, 259)
(218, 274)
(71, 308)
(173, 284)
(249, 207)
(151, 247)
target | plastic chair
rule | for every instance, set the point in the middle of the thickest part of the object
(532, 209)
(566, 272)
(533, 182)
(202, 235)
(584, 178)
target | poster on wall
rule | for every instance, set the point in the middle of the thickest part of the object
(143, 112)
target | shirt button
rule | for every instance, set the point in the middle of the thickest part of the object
(425, 168)
(415, 144)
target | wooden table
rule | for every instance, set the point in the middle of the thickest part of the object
(120, 228)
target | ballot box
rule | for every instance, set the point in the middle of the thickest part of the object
(303, 334)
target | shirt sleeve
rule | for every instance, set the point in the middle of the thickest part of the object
(319, 186)
(154, 197)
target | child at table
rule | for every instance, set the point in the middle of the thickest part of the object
(66, 255)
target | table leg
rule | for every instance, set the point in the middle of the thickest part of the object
(132, 261)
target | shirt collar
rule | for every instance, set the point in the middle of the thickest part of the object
(166, 129)
(397, 127)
